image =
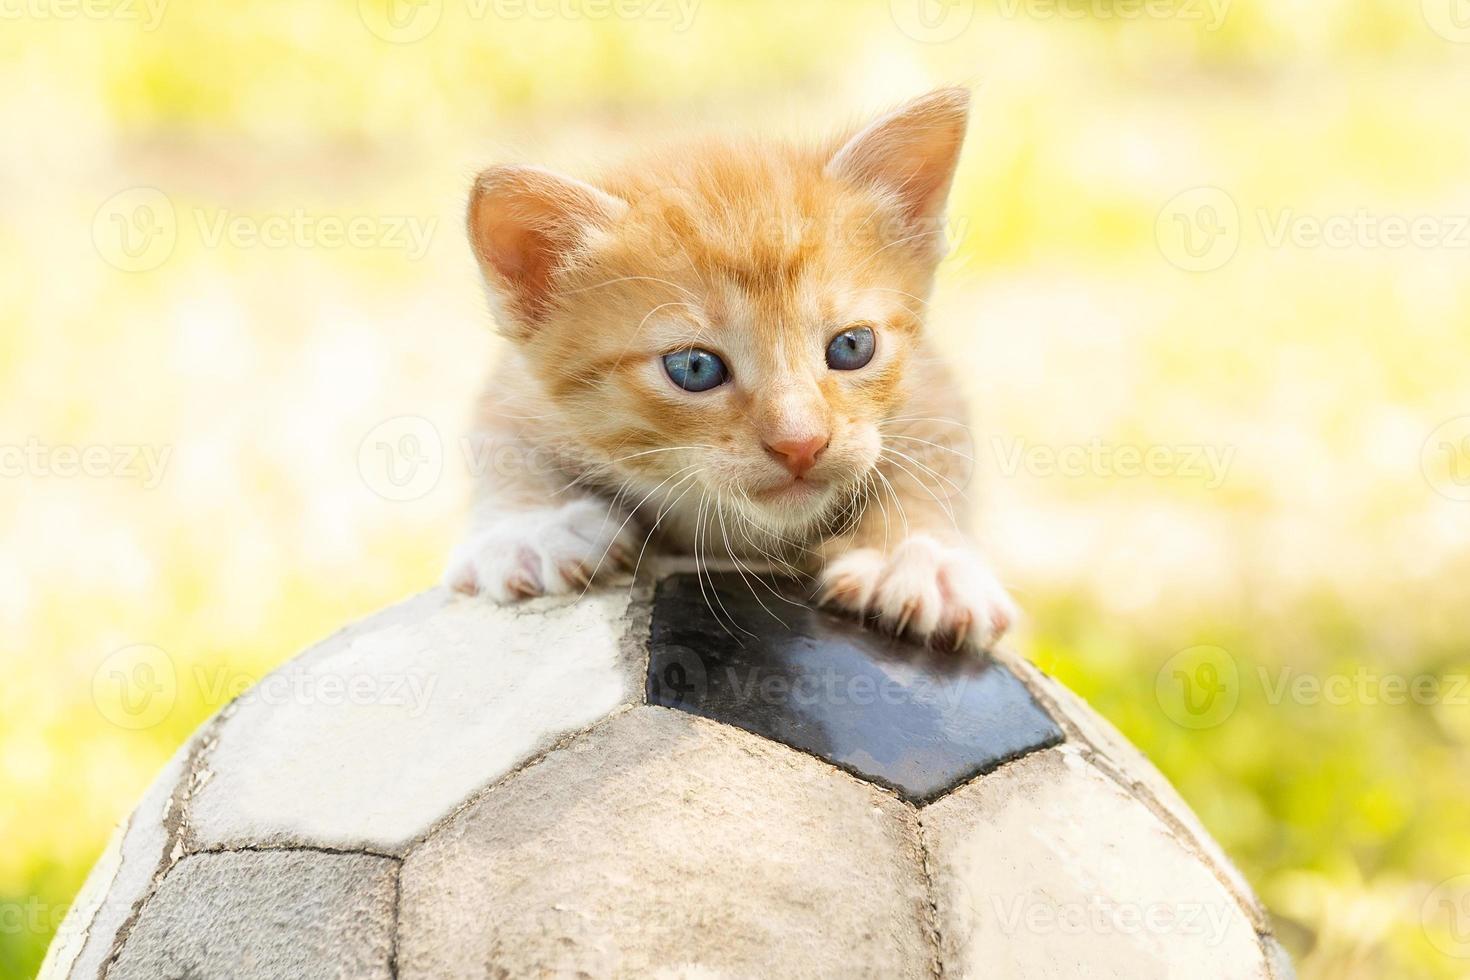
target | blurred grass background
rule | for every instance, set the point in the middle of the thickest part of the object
(1331, 382)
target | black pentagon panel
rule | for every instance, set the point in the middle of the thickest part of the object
(917, 721)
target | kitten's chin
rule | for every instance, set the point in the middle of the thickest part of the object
(789, 494)
(792, 506)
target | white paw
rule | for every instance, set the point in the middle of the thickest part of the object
(526, 553)
(931, 592)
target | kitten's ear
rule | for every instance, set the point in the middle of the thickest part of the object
(910, 153)
(525, 225)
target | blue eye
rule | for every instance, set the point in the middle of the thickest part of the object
(695, 369)
(851, 349)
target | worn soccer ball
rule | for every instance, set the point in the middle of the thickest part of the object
(687, 778)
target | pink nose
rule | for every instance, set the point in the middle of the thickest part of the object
(798, 455)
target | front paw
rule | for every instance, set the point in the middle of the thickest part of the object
(553, 551)
(931, 592)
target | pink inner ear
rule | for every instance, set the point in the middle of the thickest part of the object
(507, 247)
(506, 223)
(920, 176)
(525, 259)
(524, 223)
(911, 153)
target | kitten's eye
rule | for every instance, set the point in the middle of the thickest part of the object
(695, 369)
(851, 349)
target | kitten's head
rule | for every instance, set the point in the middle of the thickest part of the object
(731, 319)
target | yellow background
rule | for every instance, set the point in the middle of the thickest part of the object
(1134, 275)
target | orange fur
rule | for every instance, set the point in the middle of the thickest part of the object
(760, 252)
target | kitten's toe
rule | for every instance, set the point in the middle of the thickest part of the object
(980, 609)
(932, 593)
(908, 600)
(555, 551)
(848, 582)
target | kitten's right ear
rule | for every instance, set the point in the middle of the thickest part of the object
(526, 225)
(910, 153)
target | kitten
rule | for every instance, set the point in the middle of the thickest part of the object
(722, 348)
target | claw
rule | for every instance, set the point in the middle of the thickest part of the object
(839, 592)
(576, 573)
(999, 623)
(523, 588)
(910, 607)
(962, 631)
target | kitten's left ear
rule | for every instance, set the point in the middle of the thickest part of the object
(910, 153)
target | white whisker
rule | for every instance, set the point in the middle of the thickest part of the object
(664, 508)
(945, 449)
(631, 513)
(739, 566)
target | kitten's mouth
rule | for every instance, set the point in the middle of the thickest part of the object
(792, 491)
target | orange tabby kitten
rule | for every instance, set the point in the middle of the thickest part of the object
(724, 346)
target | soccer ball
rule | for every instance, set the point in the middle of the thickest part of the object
(696, 776)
